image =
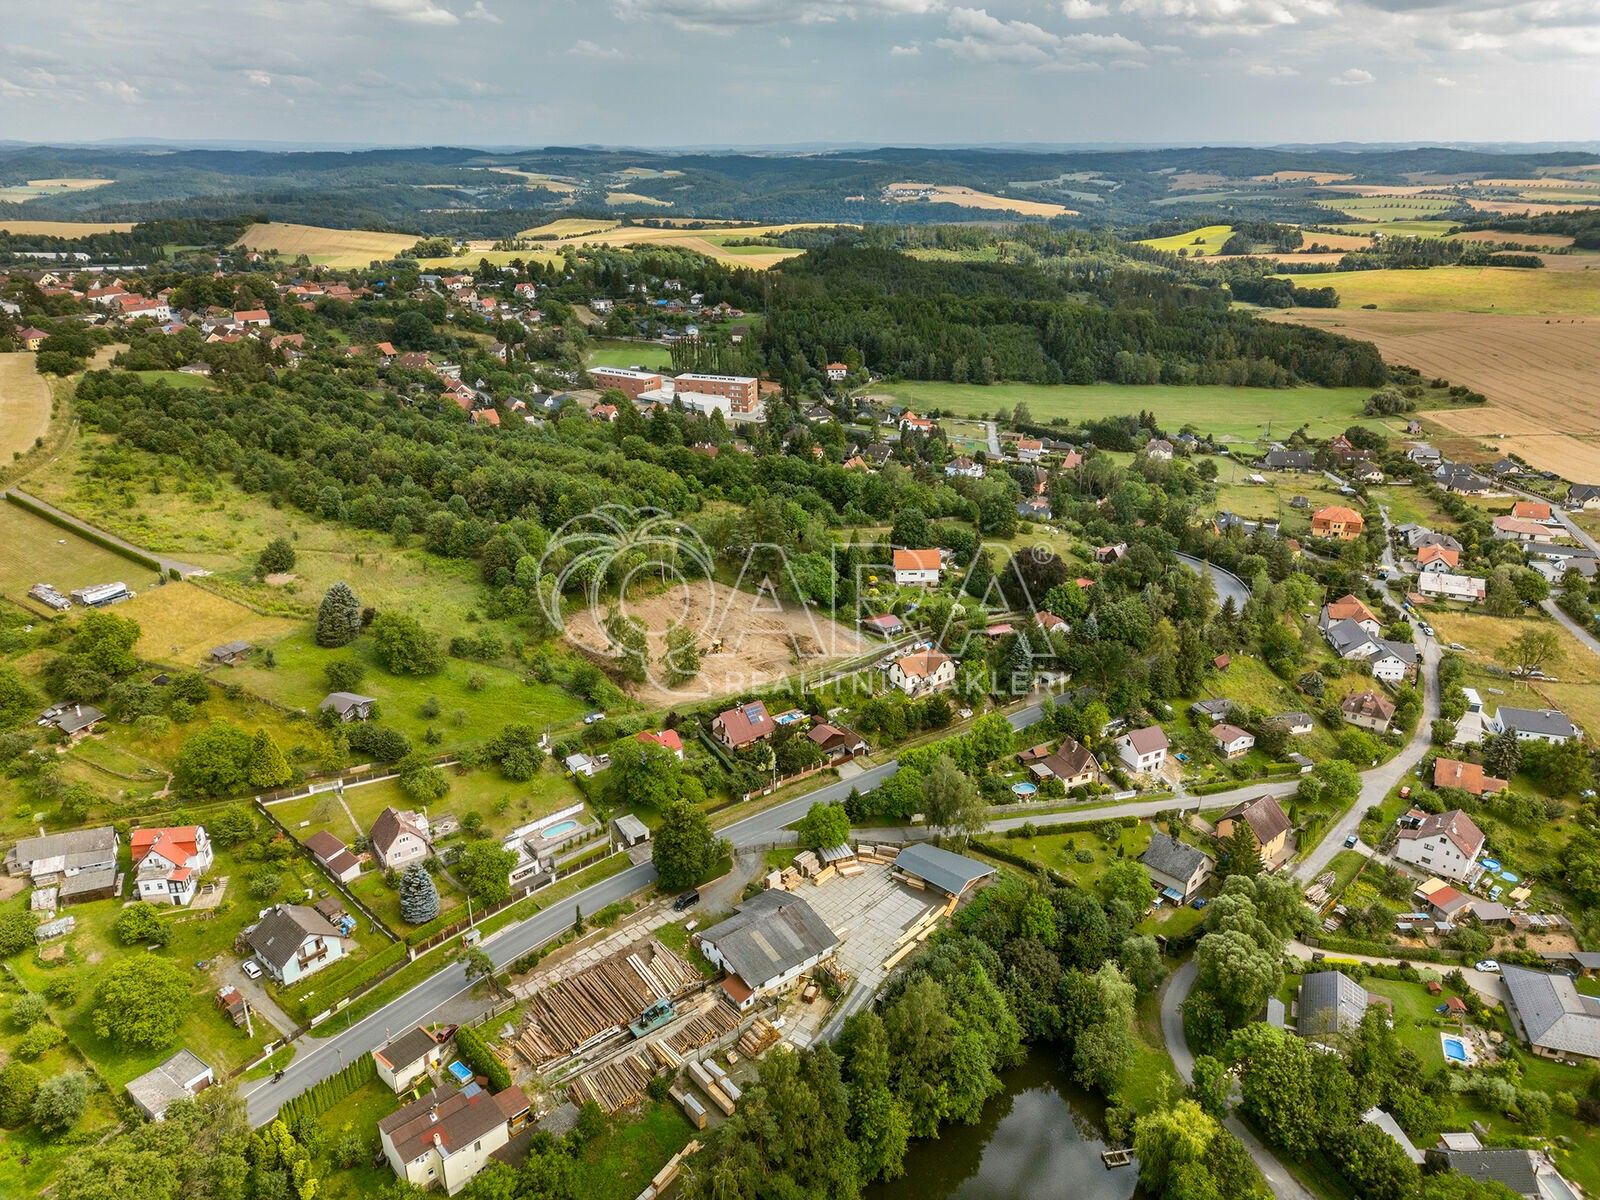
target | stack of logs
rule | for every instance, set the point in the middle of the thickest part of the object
(601, 1000)
(758, 1039)
(704, 1027)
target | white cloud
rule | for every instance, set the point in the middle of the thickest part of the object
(479, 13)
(1444, 81)
(1084, 10)
(120, 91)
(1217, 18)
(981, 37)
(719, 16)
(1353, 77)
(910, 51)
(413, 12)
(260, 79)
(584, 48)
(1270, 71)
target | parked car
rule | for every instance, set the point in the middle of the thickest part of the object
(594, 718)
(251, 968)
(687, 900)
(1350, 842)
(1199, 902)
(1487, 964)
(1457, 646)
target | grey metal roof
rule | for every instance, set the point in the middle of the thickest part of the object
(1544, 721)
(1347, 638)
(77, 847)
(1554, 1015)
(1387, 1123)
(343, 702)
(72, 718)
(1330, 1002)
(1404, 651)
(630, 827)
(93, 879)
(1172, 858)
(771, 934)
(1516, 1169)
(167, 1081)
(949, 872)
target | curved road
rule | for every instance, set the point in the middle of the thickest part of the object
(1228, 585)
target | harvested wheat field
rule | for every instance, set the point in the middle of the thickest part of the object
(708, 240)
(535, 180)
(1537, 372)
(326, 247)
(1338, 241)
(1548, 241)
(967, 198)
(631, 198)
(1305, 176)
(1525, 208)
(761, 640)
(64, 229)
(24, 405)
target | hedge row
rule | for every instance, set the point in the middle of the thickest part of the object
(320, 1097)
(332, 984)
(88, 535)
(475, 1052)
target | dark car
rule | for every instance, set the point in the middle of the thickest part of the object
(687, 900)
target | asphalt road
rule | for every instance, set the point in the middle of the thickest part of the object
(1228, 585)
(318, 1058)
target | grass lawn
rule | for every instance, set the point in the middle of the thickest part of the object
(1208, 239)
(474, 699)
(33, 550)
(1059, 851)
(1152, 1078)
(1421, 228)
(1388, 208)
(621, 1162)
(1411, 506)
(180, 622)
(1238, 412)
(648, 355)
(1464, 289)
(359, 1112)
(676, 938)
(1255, 500)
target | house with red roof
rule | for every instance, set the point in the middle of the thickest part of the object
(917, 568)
(168, 862)
(667, 739)
(743, 726)
(928, 671)
(31, 338)
(1438, 559)
(1447, 843)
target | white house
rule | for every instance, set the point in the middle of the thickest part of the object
(1394, 661)
(1446, 844)
(963, 468)
(400, 839)
(772, 939)
(168, 863)
(1143, 750)
(293, 941)
(1445, 586)
(447, 1137)
(1231, 740)
(917, 568)
(1349, 608)
(927, 671)
(1535, 724)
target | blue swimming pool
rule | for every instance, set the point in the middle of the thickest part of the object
(1455, 1049)
(460, 1071)
(559, 828)
(1024, 789)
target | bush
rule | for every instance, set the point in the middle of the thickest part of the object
(38, 1041)
(140, 925)
(27, 1011)
(343, 674)
(63, 990)
(18, 1084)
(60, 1101)
(475, 1052)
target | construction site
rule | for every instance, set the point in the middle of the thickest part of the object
(612, 1016)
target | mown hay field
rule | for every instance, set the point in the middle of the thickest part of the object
(347, 248)
(1537, 372)
(620, 198)
(535, 180)
(33, 550)
(24, 405)
(711, 240)
(968, 198)
(63, 229)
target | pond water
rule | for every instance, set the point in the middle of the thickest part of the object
(1040, 1139)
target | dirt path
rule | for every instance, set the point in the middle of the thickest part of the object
(24, 405)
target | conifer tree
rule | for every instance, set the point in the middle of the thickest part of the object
(419, 898)
(339, 617)
(268, 767)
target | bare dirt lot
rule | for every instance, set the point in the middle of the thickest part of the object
(1537, 372)
(762, 641)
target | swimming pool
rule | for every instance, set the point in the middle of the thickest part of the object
(1456, 1050)
(559, 828)
(460, 1072)
(1024, 789)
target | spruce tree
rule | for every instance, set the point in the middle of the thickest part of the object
(1239, 854)
(339, 617)
(268, 767)
(979, 576)
(419, 898)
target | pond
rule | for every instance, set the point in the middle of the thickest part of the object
(1040, 1139)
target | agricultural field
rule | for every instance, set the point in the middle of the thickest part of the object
(1417, 228)
(1465, 289)
(24, 405)
(1237, 413)
(63, 229)
(1577, 692)
(1387, 207)
(1536, 372)
(36, 189)
(326, 247)
(535, 180)
(710, 240)
(181, 621)
(621, 198)
(1208, 239)
(968, 198)
(1272, 499)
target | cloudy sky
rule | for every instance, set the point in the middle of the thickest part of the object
(765, 72)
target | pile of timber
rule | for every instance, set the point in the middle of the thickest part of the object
(717, 1086)
(614, 1085)
(758, 1039)
(877, 853)
(601, 1000)
(704, 1027)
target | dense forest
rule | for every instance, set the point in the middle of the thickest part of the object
(981, 322)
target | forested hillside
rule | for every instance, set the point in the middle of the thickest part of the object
(981, 322)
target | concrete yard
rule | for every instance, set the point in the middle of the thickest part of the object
(869, 912)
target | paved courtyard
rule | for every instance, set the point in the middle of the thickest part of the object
(869, 912)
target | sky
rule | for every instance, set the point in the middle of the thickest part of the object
(776, 72)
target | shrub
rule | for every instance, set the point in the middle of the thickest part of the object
(38, 1041)
(27, 1011)
(475, 1052)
